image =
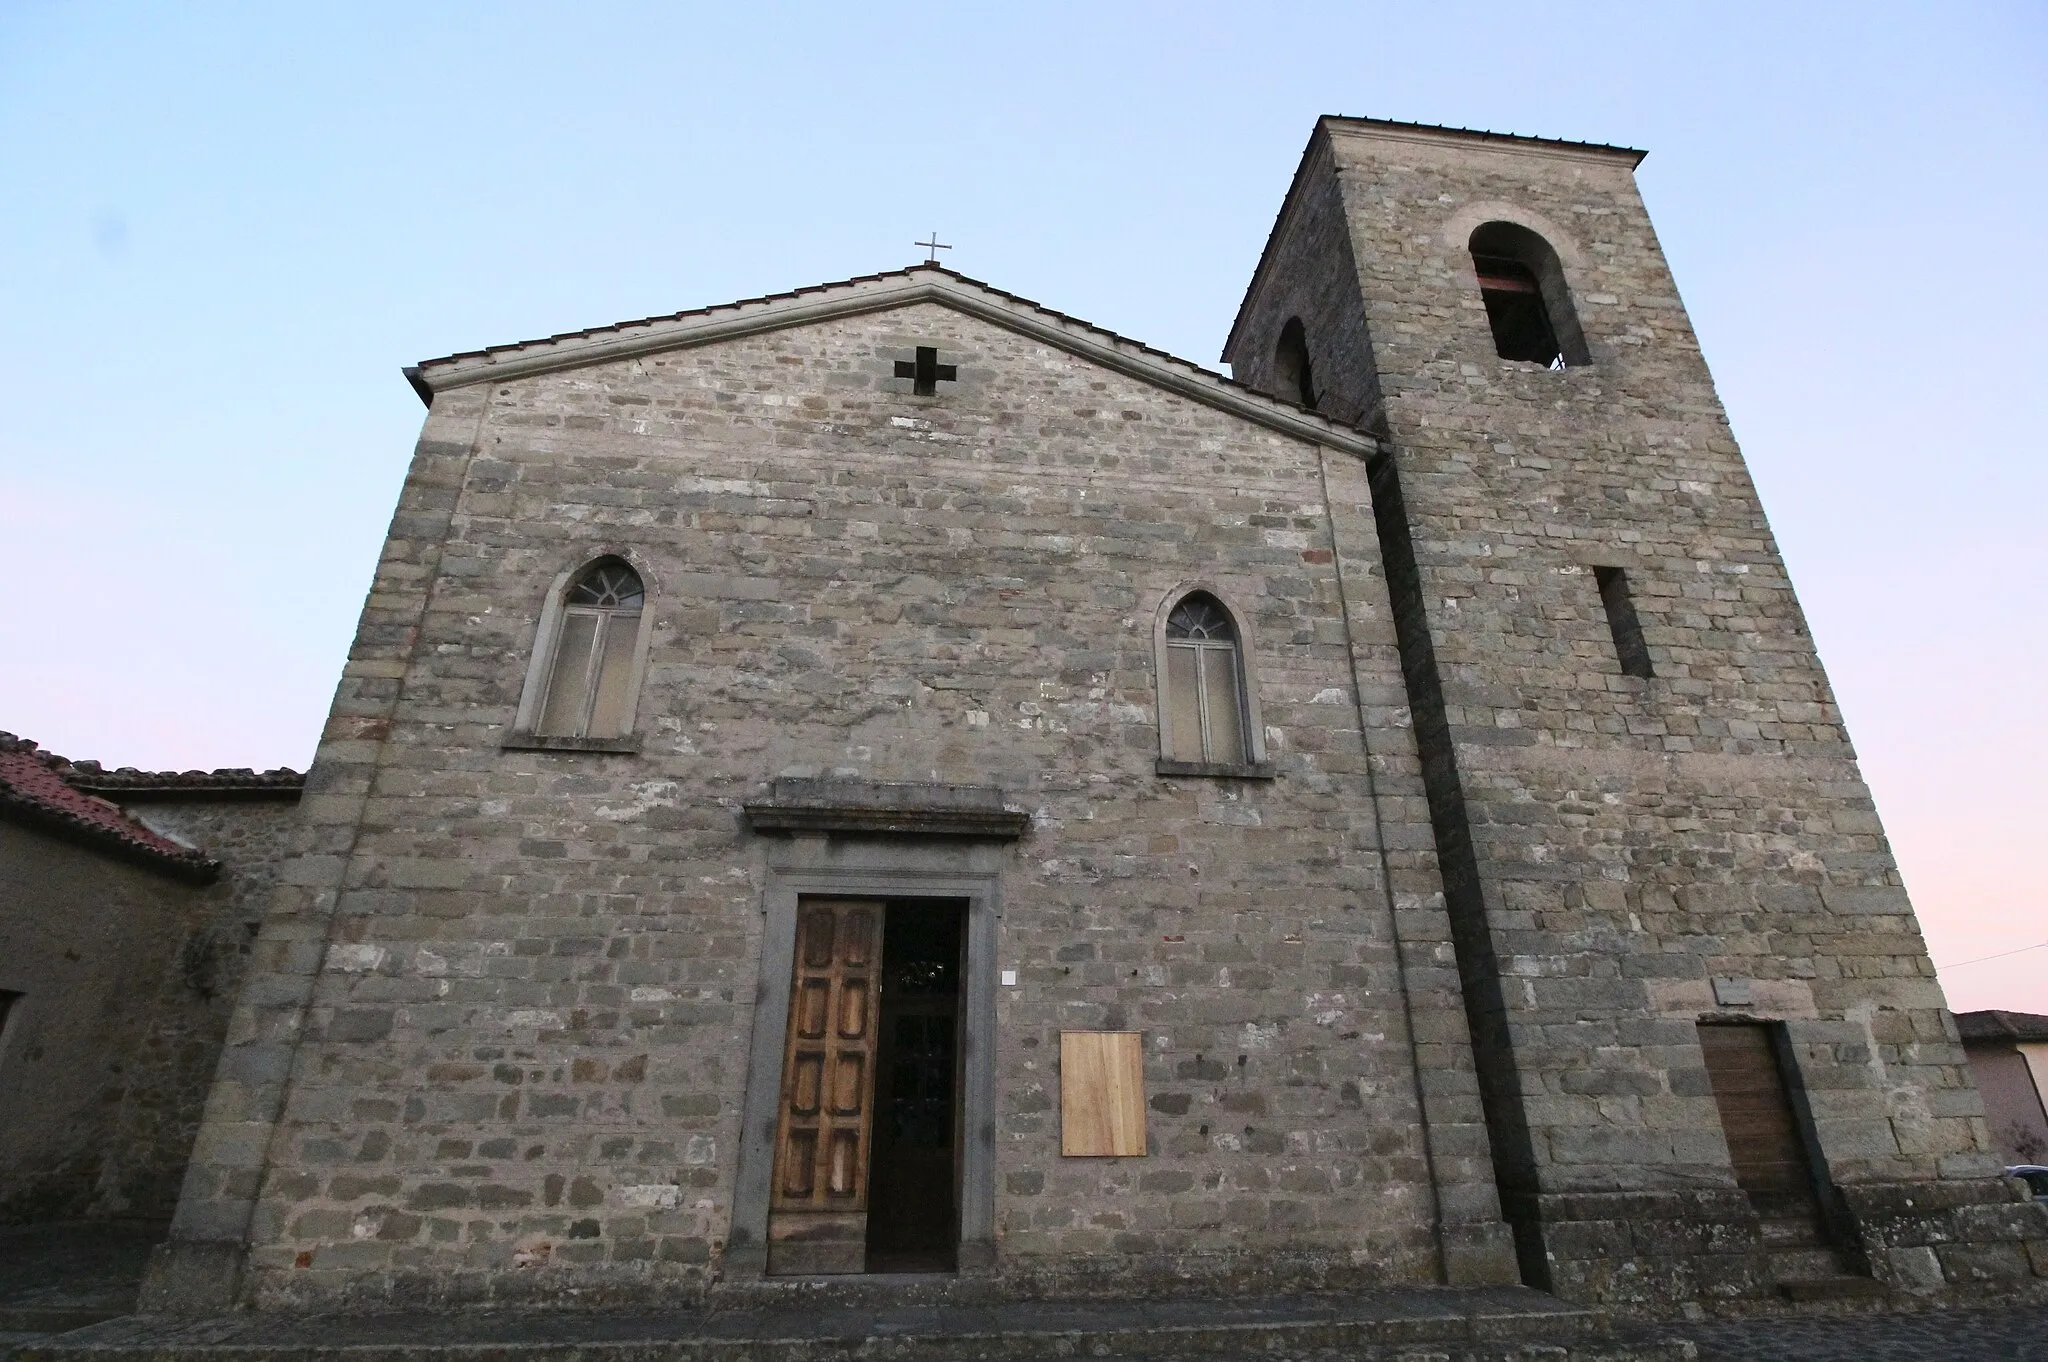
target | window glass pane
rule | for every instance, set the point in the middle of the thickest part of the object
(569, 686)
(1183, 706)
(1199, 617)
(608, 718)
(1226, 731)
(608, 584)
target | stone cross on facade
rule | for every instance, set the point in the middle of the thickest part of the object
(926, 373)
(932, 248)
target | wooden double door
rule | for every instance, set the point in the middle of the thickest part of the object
(867, 1168)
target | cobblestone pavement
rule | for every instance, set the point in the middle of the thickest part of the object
(1938, 1336)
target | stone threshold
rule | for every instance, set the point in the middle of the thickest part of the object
(1492, 1324)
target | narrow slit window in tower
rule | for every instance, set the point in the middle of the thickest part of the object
(1622, 622)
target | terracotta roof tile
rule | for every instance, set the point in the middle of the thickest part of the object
(229, 780)
(46, 791)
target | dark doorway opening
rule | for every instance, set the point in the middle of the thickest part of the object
(914, 1176)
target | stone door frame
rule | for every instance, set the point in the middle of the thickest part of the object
(877, 867)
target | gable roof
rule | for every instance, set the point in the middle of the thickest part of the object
(42, 790)
(925, 283)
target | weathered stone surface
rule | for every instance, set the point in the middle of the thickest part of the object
(539, 966)
(1437, 947)
(1612, 842)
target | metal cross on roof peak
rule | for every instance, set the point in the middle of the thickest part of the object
(932, 248)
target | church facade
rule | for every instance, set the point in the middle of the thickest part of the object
(891, 778)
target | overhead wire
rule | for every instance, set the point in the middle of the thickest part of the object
(2017, 950)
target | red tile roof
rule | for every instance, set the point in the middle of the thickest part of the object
(227, 782)
(43, 790)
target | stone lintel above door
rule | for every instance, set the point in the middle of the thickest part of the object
(868, 806)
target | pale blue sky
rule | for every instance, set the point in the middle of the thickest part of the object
(224, 228)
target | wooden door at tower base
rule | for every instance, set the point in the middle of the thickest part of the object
(818, 1214)
(1765, 1145)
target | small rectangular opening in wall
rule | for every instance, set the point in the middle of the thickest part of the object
(1629, 646)
(7, 1001)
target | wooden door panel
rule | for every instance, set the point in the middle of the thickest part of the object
(806, 1089)
(849, 1085)
(844, 1178)
(853, 1008)
(1102, 1094)
(813, 1008)
(799, 1164)
(1765, 1144)
(817, 1218)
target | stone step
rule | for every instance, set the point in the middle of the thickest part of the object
(1504, 1324)
(52, 1319)
(1798, 1264)
(1798, 1233)
(1839, 1287)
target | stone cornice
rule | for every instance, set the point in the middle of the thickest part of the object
(1429, 134)
(873, 807)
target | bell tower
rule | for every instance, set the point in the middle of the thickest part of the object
(1709, 1040)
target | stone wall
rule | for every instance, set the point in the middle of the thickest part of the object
(1447, 959)
(1612, 844)
(128, 978)
(527, 976)
(1310, 276)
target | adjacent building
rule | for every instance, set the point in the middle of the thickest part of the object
(129, 904)
(2009, 1058)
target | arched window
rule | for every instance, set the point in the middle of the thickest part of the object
(591, 679)
(1204, 691)
(1293, 377)
(1527, 303)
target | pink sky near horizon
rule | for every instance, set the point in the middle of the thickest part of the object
(229, 232)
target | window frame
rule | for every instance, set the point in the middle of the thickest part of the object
(540, 666)
(1254, 765)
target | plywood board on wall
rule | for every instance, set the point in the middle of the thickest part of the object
(1102, 1094)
